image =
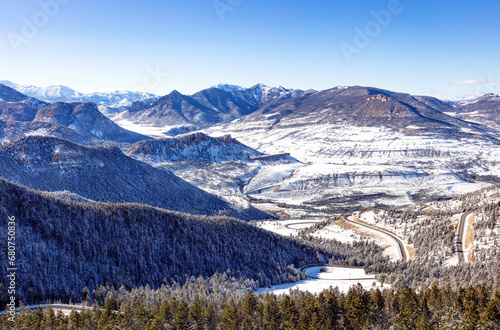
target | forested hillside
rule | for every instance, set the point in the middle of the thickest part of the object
(64, 246)
(432, 231)
(106, 174)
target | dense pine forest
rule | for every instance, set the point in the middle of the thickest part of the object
(216, 305)
(64, 246)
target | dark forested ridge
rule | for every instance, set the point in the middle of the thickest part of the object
(64, 246)
(106, 174)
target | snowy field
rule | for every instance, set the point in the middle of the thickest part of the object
(287, 227)
(153, 131)
(341, 277)
(338, 233)
(347, 165)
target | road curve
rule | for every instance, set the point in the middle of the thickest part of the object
(402, 250)
(304, 268)
(300, 223)
(460, 237)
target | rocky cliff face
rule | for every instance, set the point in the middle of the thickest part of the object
(192, 147)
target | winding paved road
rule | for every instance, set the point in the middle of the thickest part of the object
(304, 268)
(402, 250)
(460, 237)
(300, 223)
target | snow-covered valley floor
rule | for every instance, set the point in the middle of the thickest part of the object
(334, 276)
(345, 166)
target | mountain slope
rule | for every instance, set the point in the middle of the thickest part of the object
(229, 104)
(172, 109)
(78, 122)
(484, 110)
(193, 147)
(360, 106)
(219, 104)
(12, 130)
(10, 95)
(66, 246)
(105, 174)
(86, 120)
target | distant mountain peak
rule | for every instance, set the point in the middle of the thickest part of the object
(228, 87)
(109, 102)
(259, 85)
(490, 95)
(266, 87)
(175, 93)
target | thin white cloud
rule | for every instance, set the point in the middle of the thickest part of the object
(475, 82)
(429, 90)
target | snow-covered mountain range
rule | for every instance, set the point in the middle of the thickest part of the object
(21, 115)
(356, 146)
(218, 104)
(345, 147)
(108, 103)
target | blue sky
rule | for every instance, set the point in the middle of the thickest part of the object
(442, 48)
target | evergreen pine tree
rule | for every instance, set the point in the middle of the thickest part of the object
(230, 318)
(165, 313)
(181, 321)
(356, 307)
(289, 313)
(196, 313)
(491, 316)
(210, 317)
(271, 313)
(471, 317)
(409, 310)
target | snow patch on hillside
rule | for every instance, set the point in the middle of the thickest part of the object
(341, 277)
